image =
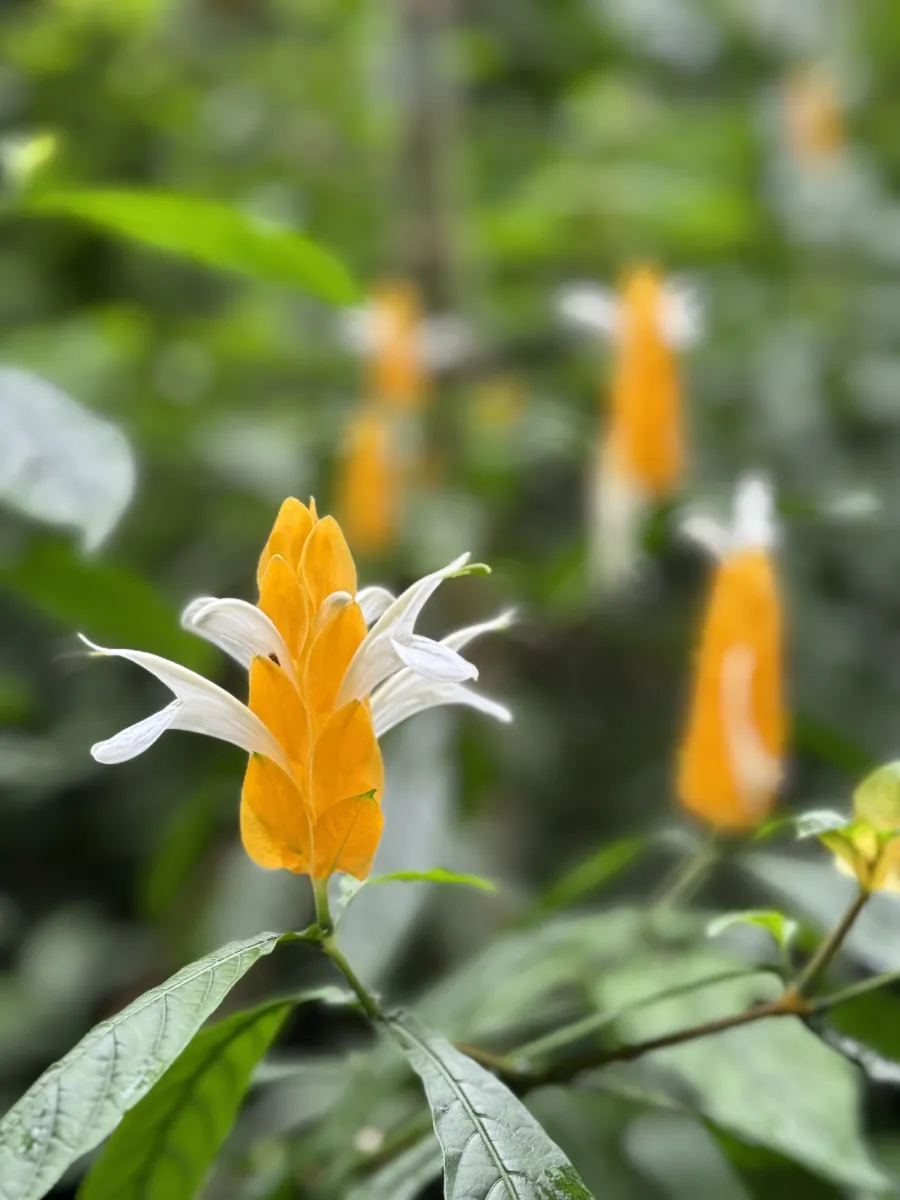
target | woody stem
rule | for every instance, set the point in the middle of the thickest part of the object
(827, 949)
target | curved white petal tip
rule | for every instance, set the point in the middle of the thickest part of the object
(592, 308)
(755, 525)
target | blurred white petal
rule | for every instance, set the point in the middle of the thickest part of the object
(682, 314)
(617, 510)
(445, 341)
(374, 601)
(754, 524)
(708, 533)
(462, 637)
(756, 771)
(413, 694)
(593, 308)
(359, 329)
(377, 659)
(200, 707)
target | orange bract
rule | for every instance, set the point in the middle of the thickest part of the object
(717, 779)
(398, 375)
(644, 438)
(324, 815)
(369, 484)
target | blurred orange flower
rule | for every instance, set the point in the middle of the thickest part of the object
(370, 483)
(729, 768)
(813, 117)
(398, 372)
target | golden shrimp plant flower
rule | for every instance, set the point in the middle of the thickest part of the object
(729, 767)
(331, 668)
(640, 450)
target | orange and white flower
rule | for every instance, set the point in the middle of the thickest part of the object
(730, 763)
(640, 453)
(370, 480)
(331, 669)
(402, 345)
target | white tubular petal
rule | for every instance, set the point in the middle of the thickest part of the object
(359, 329)
(136, 738)
(445, 341)
(462, 637)
(240, 629)
(754, 514)
(708, 533)
(376, 659)
(433, 660)
(200, 707)
(332, 604)
(681, 314)
(618, 506)
(757, 772)
(374, 601)
(415, 694)
(592, 308)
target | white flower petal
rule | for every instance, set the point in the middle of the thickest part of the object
(445, 341)
(414, 694)
(681, 314)
(754, 524)
(136, 738)
(756, 771)
(201, 707)
(433, 660)
(618, 505)
(708, 533)
(376, 659)
(374, 601)
(462, 637)
(593, 308)
(239, 628)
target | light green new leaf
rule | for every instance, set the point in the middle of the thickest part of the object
(81, 1098)
(435, 875)
(208, 232)
(404, 1177)
(493, 1147)
(60, 462)
(164, 1146)
(819, 821)
(775, 923)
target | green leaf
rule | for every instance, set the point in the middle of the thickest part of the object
(435, 875)
(60, 462)
(877, 798)
(781, 927)
(108, 602)
(81, 1098)
(771, 1083)
(404, 1177)
(591, 874)
(208, 232)
(492, 1146)
(165, 1145)
(819, 821)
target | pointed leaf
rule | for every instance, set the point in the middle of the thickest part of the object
(591, 874)
(493, 1147)
(81, 1098)
(208, 232)
(819, 821)
(781, 927)
(165, 1145)
(436, 875)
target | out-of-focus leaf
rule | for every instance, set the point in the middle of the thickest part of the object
(60, 462)
(819, 891)
(404, 1177)
(107, 602)
(435, 875)
(819, 821)
(771, 1082)
(771, 1176)
(593, 873)
(492, 1146)
(165, 1145)
(209, 232)
(81, 1098)
(775, 923)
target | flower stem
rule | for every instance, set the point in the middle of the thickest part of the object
(367, 1001)
(323, 909)
(687, 877)
(821, 960)
(833, 999)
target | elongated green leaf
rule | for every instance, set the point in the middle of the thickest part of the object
(81, 1098)
(493, 1147)
(591, 874)
(60, 462)
(208, 232)
(404, 1177)
(775, 923)
(165, 1145)
(106, 601)
(435, 875)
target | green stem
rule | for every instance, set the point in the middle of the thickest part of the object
(687, 876)
(821, 960)
(367, 1001)
(323, 909)
(854, 990)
